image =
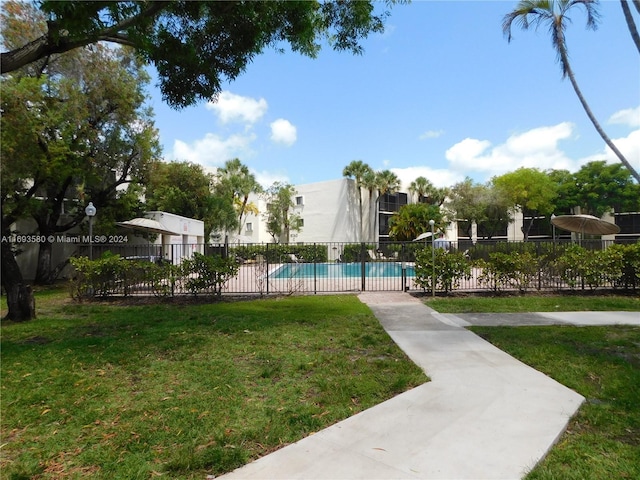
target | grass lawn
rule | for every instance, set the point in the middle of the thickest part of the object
(182, 391)
(602, 363)
(534, 303)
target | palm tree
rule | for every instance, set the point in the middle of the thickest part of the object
(419, 187)
(555, 13)
(357, 170)
(369, 181)
(630, 22)
(386, 182)
(236, 180)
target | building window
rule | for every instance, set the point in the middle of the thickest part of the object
(540, 227)
(299, 201)
(629, 223)
(464, 229)
(249, 227)
(301, 223)
(392, 202)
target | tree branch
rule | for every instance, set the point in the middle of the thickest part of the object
(42, 46)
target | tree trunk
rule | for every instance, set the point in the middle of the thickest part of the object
(43, 271)
(20, 300)
(631, 23)
(526, 228)
(587, 109)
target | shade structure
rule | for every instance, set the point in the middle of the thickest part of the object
(585, 224)
(147, 225)
(422, 236)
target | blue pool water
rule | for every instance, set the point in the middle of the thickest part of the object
(341, 270)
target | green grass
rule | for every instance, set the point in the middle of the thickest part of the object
(124, 392)
(601, 363)
(534, 303)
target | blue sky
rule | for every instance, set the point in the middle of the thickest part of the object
(440, 94)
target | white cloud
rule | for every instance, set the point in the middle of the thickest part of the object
(629, 146)
(431, 134)
(235, 108)
(266, 179)
(439, 177)
(629, 117)
(536, 148)
(213, 150)
(283, 131)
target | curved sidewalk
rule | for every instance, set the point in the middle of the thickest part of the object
(484, 415)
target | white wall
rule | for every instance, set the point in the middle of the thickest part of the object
(190, 240)
(330, 212)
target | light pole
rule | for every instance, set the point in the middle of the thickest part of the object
(91, 212)
(433, 260)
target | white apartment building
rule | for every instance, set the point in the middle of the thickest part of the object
(330, 212)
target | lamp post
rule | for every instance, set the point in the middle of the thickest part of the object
(91, 212)
(433, 260)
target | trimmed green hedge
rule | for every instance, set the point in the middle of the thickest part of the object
(280, 253)
(111, 274)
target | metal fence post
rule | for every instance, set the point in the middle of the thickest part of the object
(363, 259)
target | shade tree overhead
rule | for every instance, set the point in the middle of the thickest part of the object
(80, 135)
(197, 45)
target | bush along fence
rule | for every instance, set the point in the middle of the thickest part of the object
(339, 267)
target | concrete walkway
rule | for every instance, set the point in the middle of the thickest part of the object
(484, 415)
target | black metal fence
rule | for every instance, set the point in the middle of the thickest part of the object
(353, 267)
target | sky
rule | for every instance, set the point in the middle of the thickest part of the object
(441, 94)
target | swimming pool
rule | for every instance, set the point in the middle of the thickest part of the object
(341, 270)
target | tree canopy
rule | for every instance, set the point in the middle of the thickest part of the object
(196, 45)
(280, 217)
(77, 136)
(413, 219)
(235, 181)
(528, 189)
(599, 187)
(480, 203)
(184, 188)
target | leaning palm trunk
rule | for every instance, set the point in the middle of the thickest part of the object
(631, 23)
(587, 109)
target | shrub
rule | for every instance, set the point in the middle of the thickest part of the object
(510, 270)
(281, 253)
(356, 252)
(163, 278)
(105, 276)
(630, 275)
(450, 269)
(208, 273)
(616, 265)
